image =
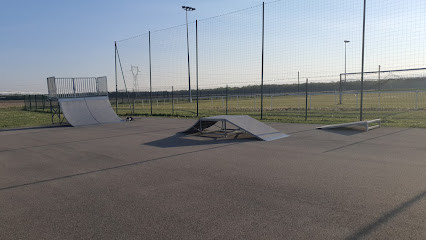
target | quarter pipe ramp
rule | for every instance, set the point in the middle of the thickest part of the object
(88, 110)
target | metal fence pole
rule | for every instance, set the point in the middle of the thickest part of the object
(263, 46)
(150, 75)
(417, 99)
(340, 89)
(306, 100)
(43, 101)
(51, 109)
(362, 63)
(298, 83)
(380, 88)
(226, 95)
(173, 103)
(116, 82)
(237, 103)
(29, 97)
(196, 59)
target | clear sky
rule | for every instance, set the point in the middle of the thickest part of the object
(76, 38)
(42, 38)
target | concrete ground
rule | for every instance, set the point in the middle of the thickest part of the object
(141, 180)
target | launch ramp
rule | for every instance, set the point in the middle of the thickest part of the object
(83, 101)
(243, 123)
(88, 111)
(361, 125)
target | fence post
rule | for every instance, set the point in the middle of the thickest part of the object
(298, 83)
(173, 103)
(417, 99)
(271, 103)
(306, 100)
(340, 89)
(51, 109)
(380, 88)
(29, 97)
(362, 64)
(226, 95)
(73, 87)
(263, 46)
(116, 83)
(150, 70)
(43, 101)
(35, 102)
(196, 59)
(335, 98)
(237, 102)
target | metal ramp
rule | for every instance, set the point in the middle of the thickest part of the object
(363, 125)
(88, 111)
(243, 122)
(83, 101)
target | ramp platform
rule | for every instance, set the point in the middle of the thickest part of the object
(88, 110)
(83, 101)
(243, 122)
(363, 125)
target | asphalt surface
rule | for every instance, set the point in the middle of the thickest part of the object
(141, 180)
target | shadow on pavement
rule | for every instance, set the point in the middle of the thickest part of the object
(182, 140)
(363, 232)
(343, 131)
(39, 127)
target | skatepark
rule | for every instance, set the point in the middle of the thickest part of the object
(144, 179)
(165, 178)
(267, 120)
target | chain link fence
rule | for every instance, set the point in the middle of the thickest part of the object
(290, 61)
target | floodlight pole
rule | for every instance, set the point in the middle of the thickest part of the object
(362, 62)
(186, 8)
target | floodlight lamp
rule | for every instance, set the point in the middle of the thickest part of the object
(186, 8)
(346, 41)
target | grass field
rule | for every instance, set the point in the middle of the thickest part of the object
(402, 109)
(13, 115)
